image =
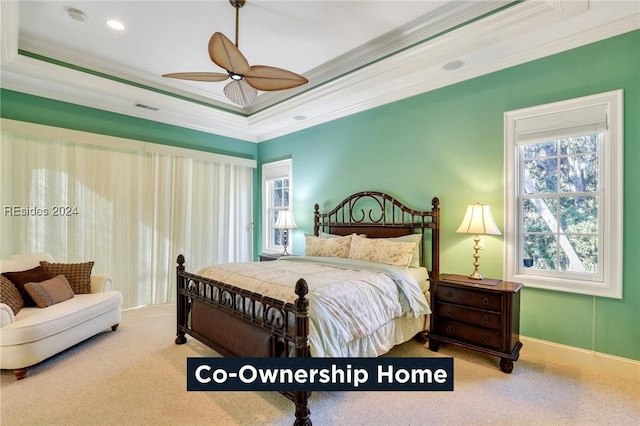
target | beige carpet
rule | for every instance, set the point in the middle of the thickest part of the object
(136, 376)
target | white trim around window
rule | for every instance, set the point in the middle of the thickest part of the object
(602, 115)
(271, 172)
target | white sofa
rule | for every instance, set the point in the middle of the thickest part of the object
(35, 334)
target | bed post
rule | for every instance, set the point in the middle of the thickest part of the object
(435, 238)
(301, 308)
(181, 302)
(316, 219)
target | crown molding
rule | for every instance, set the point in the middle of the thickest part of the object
(97, 66)
(417, 31)
(23, 74)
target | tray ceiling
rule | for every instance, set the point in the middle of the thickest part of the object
(356, 54)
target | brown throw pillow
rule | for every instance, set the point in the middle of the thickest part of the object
(19, 279)
(78, 274)
(50, 292)
(10, 295)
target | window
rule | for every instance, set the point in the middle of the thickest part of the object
(563, 201)
(276, 196)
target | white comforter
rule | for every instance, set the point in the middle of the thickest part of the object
(348, 299)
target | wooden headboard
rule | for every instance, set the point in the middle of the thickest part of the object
(379, 215)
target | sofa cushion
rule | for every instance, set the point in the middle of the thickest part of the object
(50, 292)
(10, 295)
(20, 278)
(33, 324)
(78, 274)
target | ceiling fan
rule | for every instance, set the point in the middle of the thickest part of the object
(247, 80)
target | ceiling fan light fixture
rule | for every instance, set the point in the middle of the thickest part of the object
(236, 77)
(241, 93)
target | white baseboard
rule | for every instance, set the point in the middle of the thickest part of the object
(595, 362)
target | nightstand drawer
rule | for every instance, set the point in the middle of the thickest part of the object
(473, 298)
(470, 316)
(470, 334)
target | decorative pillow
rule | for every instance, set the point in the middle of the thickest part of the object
(78, 274)
(10, 295)
(327, 247)
(381, 250)
(19, 279)
(50, 292)
(415, 256)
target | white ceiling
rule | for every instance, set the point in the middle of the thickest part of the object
(356, 54)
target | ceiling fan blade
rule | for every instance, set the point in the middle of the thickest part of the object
(240, 92)
(271, 78)
(225, 54)
(198, 76)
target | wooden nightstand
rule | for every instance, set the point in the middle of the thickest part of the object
(479, 315)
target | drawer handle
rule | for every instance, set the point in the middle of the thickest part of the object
(485, 301)
(485, 319)
(448, 329)
(450, 295)
(449, 313)
(485, 338)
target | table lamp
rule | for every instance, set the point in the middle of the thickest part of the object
(285, 222)
(478, 220)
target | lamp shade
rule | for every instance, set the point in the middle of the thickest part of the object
(479, 220)
(285, 220)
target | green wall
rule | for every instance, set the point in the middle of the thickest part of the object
(34, 109)
(449, 143)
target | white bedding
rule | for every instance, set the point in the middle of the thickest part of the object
(356, 308)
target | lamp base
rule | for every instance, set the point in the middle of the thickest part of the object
(285, 242)
(476, 275)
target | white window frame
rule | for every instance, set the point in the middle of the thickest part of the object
(549, 122)
(271, 171)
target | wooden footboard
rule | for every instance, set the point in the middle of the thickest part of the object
(237, 322)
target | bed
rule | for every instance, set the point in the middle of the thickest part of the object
(369, 253)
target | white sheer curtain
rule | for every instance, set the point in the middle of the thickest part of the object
(134, 211)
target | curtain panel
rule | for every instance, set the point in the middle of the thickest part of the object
(130, 212)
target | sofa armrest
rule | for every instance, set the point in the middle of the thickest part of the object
(100, 283)
(6, 315)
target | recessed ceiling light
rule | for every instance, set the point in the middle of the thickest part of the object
(116, 25)
(453, 65)
(76, 14)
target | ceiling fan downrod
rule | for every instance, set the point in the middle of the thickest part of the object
(237, 4)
